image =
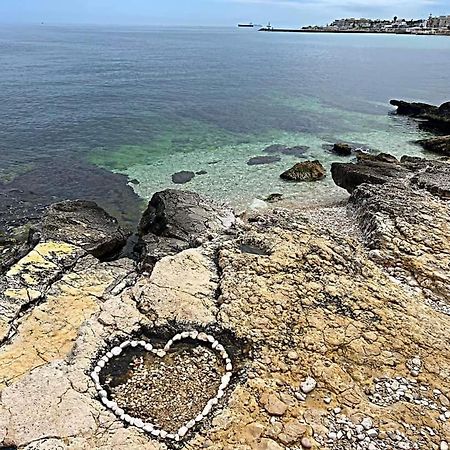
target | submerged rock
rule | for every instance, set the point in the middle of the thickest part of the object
(305, 171)
(298, 150)
(275, 197)
(257, 160)
(439, 145)
(342, 149)
(86, 225)
(183, 177)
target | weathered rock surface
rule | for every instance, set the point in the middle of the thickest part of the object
(176, 220)
(85, 225)
(345, 315)
(305, 171)
(440, 145)
(380, 169)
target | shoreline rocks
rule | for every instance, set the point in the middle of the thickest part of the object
(176, 220)
(440, 145)
(434, 118)
(86, 225)
(305, 171)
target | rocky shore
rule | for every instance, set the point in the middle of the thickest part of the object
(283, 329)
(333, 323)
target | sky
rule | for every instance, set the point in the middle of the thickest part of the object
(211, 12)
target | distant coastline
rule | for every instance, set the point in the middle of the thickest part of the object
(327, 30)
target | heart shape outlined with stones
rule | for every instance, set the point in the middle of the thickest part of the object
(149, 427)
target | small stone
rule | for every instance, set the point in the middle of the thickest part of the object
(443, 446)
(273, 405)
(308, 385)
(306, 443)
(182, 431)
(116, 351)
(293, 355)
(367, 423)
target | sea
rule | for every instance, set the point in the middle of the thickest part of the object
(141, 104)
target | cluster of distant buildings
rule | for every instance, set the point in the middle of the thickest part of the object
(432, 25)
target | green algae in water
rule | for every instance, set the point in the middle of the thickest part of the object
(186, 136)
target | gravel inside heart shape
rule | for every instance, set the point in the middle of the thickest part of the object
(164, 391)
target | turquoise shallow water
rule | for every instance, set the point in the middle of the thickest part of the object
(150, 102)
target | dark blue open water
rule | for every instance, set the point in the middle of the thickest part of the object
(149, 102)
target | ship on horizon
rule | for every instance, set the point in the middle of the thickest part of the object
(246, 25)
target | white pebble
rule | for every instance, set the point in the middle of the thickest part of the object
(102, 393)
(148, 428)
(182, 431)
(139, 423)
(190, 424)
(308, 385)
(94, 376)
(155, 433)
(199, 418)
(220, 393)
(116, 351)
(185, 334)
(443, 446)
(101, 363)
(148, 347)
(97, 369)
(194, 334)
(229, 367)
(142, 343)
(125, 344)
(161, 353)
(367, 423)
(206, 409)
(163, 434)
(134, 343)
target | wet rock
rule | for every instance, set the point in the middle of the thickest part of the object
(201, 172)
(86, 225)
(440, 145)
(182, 177)
(272, 198)
(175, 220)
(413, 109)
(372, 170)
(258, 160)
(305, 171)
(431, 117)
(342, 149)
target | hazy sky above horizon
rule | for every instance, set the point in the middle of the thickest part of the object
(211, 12)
